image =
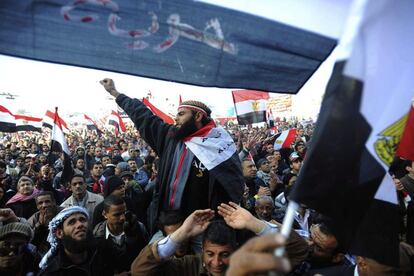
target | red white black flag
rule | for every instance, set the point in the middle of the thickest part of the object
(7, 120)
(91, 125)
(115, 120)
(250, 106)
(345, 173)
(49, 118)
(167, 119)
(59, 144)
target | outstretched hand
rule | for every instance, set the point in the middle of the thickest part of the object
(109, 86)
(235, 216)
(193, 225)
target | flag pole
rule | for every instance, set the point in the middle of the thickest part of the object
(49, 156)
(286, 228)
(287, 225)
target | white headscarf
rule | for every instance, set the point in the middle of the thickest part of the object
(53, 225)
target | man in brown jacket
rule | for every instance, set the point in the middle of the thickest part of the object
(218, 244)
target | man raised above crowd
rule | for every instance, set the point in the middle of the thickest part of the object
(199, 167)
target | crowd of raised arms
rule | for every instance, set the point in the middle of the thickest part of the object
(155, 201)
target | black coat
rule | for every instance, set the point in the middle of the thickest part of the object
(99, 262)
(23, 209)
(224, 186)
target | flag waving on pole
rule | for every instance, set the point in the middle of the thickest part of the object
(250, 106)
(7, 120)
(406, 149)
(167, 119)
(91, 125)
(59, 144)
(345, 173)
(49, 118)
(115, 120)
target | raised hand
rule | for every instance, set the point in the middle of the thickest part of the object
(235, 216)
(193, 225)
(109, 86)
(7, 215)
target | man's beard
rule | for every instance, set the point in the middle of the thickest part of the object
(75, 246)
(186, 129)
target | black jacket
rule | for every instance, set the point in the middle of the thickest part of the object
(123, 255)
(224, 185)
(99, 262)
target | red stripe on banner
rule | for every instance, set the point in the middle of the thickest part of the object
(406, 149)
(51, 115)
(245, 95)
(202, 132)
(120, 122)
(5, 110)
(27, 118)
(167, 119)
(177, 177)
(290, 138)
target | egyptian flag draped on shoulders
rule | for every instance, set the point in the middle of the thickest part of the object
(345, 173)
(216, 150)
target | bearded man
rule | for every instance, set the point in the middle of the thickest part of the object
(199, 167)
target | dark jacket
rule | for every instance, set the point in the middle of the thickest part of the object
(98, 263)
(224, 185)
(149, 263)
(23, 209)
(123, 255)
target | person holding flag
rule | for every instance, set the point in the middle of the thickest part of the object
(199, 166)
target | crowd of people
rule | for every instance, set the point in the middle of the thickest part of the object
(171, 200)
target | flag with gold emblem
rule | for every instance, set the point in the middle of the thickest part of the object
(250, 106)
(363, 115)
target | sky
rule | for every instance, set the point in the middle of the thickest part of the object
(40, 86)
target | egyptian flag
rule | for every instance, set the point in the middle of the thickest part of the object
(28, 123)
(167, 119)
(216, 150)
(58, 144)
(91, 125)
(250, 106)
(49, 118)
(115, 120)
(285, 139)
(7, 120)
(406, 147)
(345, 174)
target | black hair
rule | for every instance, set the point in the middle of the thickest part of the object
(398, 167)
(149, 159)
(300, 143)
(112, 200)
(287, 178)
(77, 175)
(169, 217)
(218, 232)
(328, 227)
(204, 120)
(44, 193)
(3, 164)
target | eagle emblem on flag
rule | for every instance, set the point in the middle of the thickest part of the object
(388, 140)
(255, 105)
